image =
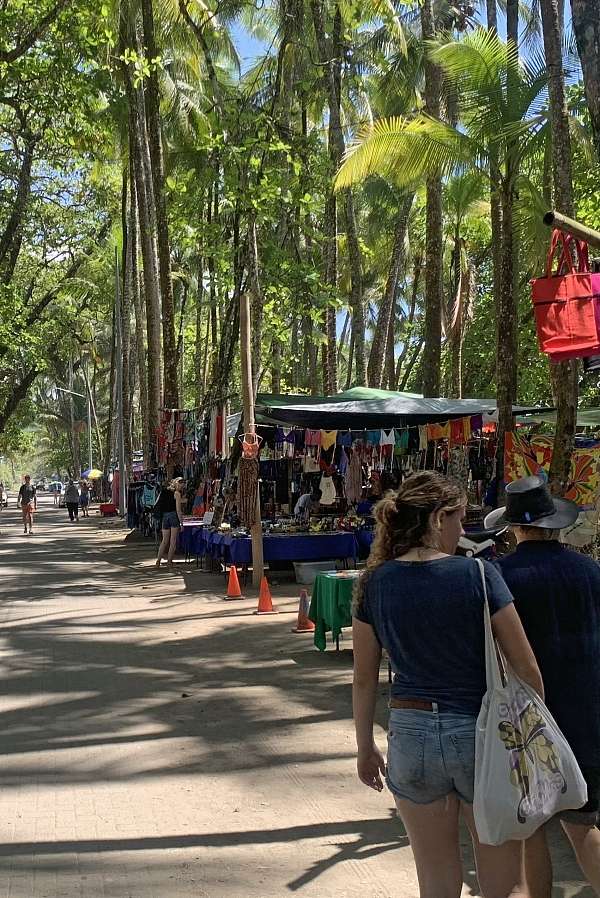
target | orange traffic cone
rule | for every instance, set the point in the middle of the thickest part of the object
(265, 602)
(304, 625)
(233, 585)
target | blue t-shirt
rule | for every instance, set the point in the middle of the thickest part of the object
(429, 618)
(557, 595)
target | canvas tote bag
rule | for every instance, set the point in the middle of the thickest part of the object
(525, 771)
(565, 302)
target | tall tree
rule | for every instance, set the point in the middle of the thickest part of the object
(434, 224)
(566, 374)
(152, 97)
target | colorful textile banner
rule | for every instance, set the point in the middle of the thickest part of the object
(524, 456)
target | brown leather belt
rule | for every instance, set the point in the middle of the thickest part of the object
(412, 704)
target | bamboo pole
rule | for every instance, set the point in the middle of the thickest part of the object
(250, 427)
(563, 223)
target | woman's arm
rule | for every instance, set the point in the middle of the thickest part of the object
(367, 657)
(508, 630)
(178, 506)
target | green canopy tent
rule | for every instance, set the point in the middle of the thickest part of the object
(363, 408)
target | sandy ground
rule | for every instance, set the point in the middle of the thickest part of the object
(159, 742)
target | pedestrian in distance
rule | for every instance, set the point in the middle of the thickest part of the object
(58, 488)
(557, 596)
(169, 507)
(72, 501)
(84, 498)
(425, 606)
(28, 502)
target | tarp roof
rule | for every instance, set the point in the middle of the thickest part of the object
(362, 407)
(586, 417)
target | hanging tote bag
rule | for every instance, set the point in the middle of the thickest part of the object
(525, 771)
(565, 301)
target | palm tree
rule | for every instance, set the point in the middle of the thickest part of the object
(493, 120)
(566, 374)
(463, 196)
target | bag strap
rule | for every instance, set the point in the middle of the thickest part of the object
(493, 673)
(566, 255)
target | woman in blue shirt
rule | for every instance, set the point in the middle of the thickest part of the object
(425, 606)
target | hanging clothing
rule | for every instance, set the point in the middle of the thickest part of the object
(387, 438)
(438, 431)
(312, 438)
(327, 487)
(354, 479)
(422, 437)
(328, 438)
(344, 439)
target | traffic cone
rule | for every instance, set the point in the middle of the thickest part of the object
(265, 602)
(304, 625)
(233, 585)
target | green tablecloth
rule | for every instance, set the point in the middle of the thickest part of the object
(331, 604)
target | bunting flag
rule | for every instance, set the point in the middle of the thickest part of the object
(524, 457)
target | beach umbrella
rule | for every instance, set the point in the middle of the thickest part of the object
(92, 474)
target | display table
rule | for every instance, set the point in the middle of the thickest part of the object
(331, 605)
(282, 547)
(192, 538)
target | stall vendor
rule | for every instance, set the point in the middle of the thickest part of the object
(308, 504)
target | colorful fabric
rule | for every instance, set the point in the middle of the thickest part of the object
(460, 431)
(524, 457)
(438, 431)
(328, 438)
(313, 438)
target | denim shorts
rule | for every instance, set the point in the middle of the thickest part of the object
(430, 755)
(170, 519)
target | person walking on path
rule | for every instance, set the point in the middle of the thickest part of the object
(72, 500)
(28, 502)
(169, 507)
(58, 487)
(425, 606)
(84, 498)
(557, 596)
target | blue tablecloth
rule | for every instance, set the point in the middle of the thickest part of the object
(192, 539)
(301, 547)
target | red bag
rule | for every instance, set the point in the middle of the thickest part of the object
(566, 308)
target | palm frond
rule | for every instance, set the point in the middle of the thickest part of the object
(407, 151)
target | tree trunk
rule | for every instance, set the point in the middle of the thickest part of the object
(140, 351)
(138, 148)
(12, 236)
(126, 304)
(507, 317)
(586, 25)
(329, 53)
(199, 366)
(385, 318)
(356, 290)
(434, 227)
(257, 302)
(567, 382)
(154, 130)
(414, 358)
(417, 268)
(17, 395)
(108, 444)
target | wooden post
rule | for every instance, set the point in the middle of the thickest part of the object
(250, 427)
(563, 223)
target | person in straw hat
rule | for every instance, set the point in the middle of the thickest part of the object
(557, 596)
